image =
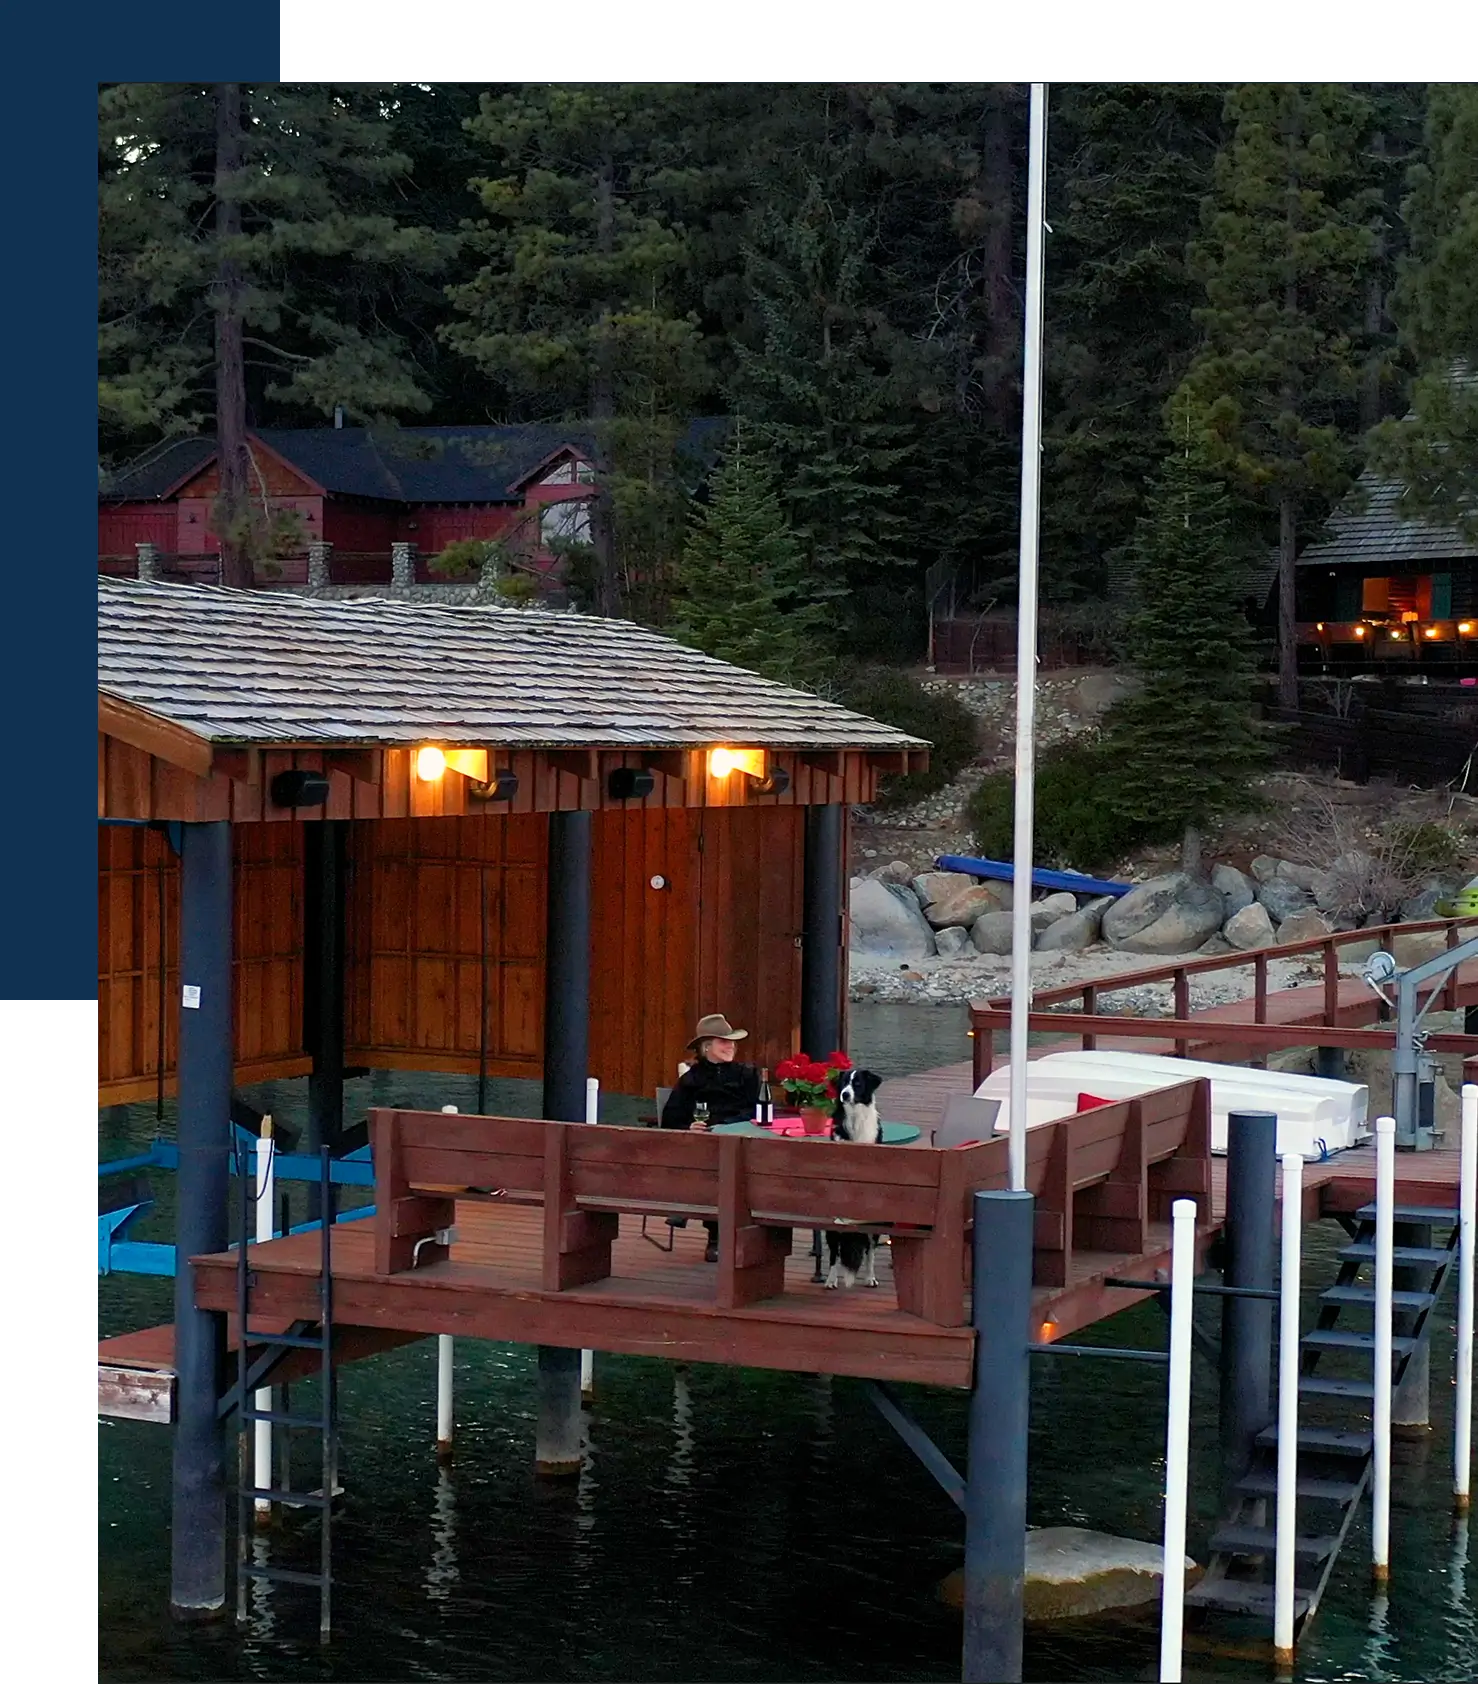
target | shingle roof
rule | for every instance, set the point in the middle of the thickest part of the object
(1380, 532)
(262, 667)
(404, 465)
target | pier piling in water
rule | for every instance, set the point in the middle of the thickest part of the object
(197, 1584)
(557, 1434)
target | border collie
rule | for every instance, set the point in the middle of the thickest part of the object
(854, 1118)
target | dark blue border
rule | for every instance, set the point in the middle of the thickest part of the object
(49, 869)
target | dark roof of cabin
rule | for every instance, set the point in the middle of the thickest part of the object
(262, 667)
(1370, 526)
(400, 465)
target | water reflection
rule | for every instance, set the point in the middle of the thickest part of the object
(442, 1573)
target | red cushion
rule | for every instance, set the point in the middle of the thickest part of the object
(1091, 1102)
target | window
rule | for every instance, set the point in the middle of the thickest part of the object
(568, 521)
(573, 470)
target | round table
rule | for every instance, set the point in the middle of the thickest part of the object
(894, 1134)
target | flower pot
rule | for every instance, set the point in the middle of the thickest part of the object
(816, 1119)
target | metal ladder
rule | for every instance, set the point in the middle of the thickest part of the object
(1334, 1460)
(256, 1351)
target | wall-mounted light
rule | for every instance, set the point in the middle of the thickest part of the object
(629, 783)
(1319, 626)
(1432, 631)
(1359, 631)
(502, 786)
(723, 761)
(1465, 627)
(299, 789)
(1397, 635)
(775, 783)
(432, 763)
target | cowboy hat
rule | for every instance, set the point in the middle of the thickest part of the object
(715, 1027)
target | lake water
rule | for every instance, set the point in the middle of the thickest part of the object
(729, 1524)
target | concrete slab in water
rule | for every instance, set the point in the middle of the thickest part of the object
(1072, 1572)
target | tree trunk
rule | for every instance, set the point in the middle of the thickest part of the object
(1190, 851)
(1287, 617)
(231, 448)
(1375, 317)
(1002, 343)
(603, 406)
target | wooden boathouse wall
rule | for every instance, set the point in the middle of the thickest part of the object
(446, 913)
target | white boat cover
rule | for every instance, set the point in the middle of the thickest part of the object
(1316, 1116)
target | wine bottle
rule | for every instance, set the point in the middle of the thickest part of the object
(764, 1110)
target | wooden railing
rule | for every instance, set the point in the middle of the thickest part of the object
(1100, 1180)
(1090, 1021)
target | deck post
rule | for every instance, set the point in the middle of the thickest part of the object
(995, 1477)
(566, 1061)
(197, 1582)
(557, 1438)
(324, 899)
(1331, 1063)
(823, 900)
(1247, 1323)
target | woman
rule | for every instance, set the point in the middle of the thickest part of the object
(729, 1089)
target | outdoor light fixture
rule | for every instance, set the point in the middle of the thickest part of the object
(723, 761)
(502, 786)
(629, 783)
(432, 763)
(776, 783)
(1359, 631)
(1319, 626)
(299, 789)
(1466, 627)
(1432, 631)
(1397, 635)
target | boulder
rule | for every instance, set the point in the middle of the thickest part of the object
(991, 933)
(1170, 914)
(1078, 930)
(1249, 928)
(1072, 1572)
(1304, 926)
(1283, 898)
(1214, 946)
(895, 871)
(1049, 910)
(1264, 868)
(930, 886)
(952, 942)
(886, 922)
(1422, 906)
(1289, 871)
(961, 906)
(1235, 887)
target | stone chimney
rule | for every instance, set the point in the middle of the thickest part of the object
(149, 566)
(402, 566)
(318, 554)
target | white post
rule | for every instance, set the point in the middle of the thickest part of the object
(1026, 626)
(1177, 1437)
(445, 1349)
(262, 1397)
(1467, 1177)
(1385, 1220)
(1289, 1285)
(587, 1358)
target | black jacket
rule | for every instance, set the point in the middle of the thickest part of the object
(731, 1090)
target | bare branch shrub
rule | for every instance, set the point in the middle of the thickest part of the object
(1367, 868)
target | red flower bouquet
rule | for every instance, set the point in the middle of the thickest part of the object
(811, 1081)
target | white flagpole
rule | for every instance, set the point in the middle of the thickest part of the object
(1026, 624)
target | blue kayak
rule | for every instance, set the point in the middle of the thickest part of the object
(1000, 872)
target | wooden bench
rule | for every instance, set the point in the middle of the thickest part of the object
(1100, 1178)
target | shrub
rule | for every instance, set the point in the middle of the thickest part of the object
(1426, 846)
(463, 558)
(897, 698)
(1077, 826)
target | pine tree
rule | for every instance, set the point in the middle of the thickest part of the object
(242, 229)
(1434, 452)
(581, 308)
(1285, 252)
(742, 585)
(1185, 747)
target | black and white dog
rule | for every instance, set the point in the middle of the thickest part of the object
(854, 1118)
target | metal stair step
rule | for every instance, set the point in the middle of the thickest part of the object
(1322, 1441)
(1365, 1295)
(1234, 1596)
(278, 1419)
(1262, 1540)
(297, 1341)
(280, 1575)
(289, 1499)
(1347, 1339)
(1320, 1385)
(1414, 1213)
(1320, 1490)
(1363, 1251)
